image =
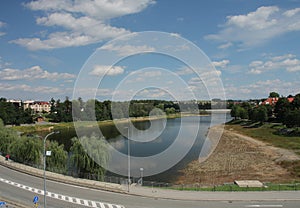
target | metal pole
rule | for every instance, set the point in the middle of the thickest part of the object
(142, 175)
(128, 147)
(44, 160)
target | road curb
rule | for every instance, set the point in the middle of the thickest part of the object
(62, 178)
(140, 192)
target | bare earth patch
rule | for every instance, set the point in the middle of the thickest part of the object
(239, 157)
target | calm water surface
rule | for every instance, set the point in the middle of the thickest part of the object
(159, 144)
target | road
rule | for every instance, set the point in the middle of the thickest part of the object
(13, 186)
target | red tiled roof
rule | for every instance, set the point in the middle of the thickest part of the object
(291, 99)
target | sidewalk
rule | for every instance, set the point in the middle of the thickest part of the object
(215, 196)
(158, 192)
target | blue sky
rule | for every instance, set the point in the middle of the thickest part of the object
(254, 45)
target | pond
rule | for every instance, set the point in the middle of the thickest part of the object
(165, 137)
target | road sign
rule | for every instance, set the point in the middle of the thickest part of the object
(2, 203)
(35, 199)
(48, 153)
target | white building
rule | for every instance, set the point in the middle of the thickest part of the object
(36, 106)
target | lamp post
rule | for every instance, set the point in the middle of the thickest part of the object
(128, 160)
(44, 160)
(142, 175)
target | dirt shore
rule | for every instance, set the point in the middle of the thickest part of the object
(239, 157)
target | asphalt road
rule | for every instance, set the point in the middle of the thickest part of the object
(24, 196)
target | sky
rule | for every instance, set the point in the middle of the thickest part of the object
(58, 47)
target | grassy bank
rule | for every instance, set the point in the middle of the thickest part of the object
(57, 126)
(234, 187)
(267, 132)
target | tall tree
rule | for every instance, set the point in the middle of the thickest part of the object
(274, 95)
(58, 158)
(79, 157)
(26, 150)
(260, 114)
(7, 136)
(282, 109)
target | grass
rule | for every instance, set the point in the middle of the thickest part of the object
(57, 126)
(234, 187)
(267, 133)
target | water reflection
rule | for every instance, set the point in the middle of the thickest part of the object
(163, 139)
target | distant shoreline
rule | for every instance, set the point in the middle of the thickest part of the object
(49, 126)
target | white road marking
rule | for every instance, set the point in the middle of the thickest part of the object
(69, 199)
(264, 206)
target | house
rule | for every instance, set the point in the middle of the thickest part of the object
(273, 101)
(269, 101)
(290, 99)
(37, 106)
(40, 106)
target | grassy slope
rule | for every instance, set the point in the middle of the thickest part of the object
(267, 133)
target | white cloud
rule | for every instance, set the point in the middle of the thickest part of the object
(126, 50)
(152, 94)
(287, 62)
(262, 88)
(32, 73)
(2, 24)
(221, 64)
(143, 76)
(99, 9)
(257, 20)
(291, 12)
(225, 45)
(21, 88)
(3, 64)
(78, 37)
(176, 35)
(100, 70)
(185, 71)
(280, 58)
(79, 23)
(258, 27)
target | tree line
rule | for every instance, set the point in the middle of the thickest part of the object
(283, 111)
(12, 114)
(106, 110)
(29, 150)
(73, 110)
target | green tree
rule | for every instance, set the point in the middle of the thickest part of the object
(79, 157)
(7, 136)
(58, 158)
(260, 114)
(98, 152)
(292, 119)
(282, 109)
(296, 102)
(92, 162)
(273, 95)
(239, 112)
(26, 150)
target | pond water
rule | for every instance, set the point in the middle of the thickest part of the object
(166, 137)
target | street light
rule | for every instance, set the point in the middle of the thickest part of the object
(128, 150)
(44, 160)
(142, 175)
